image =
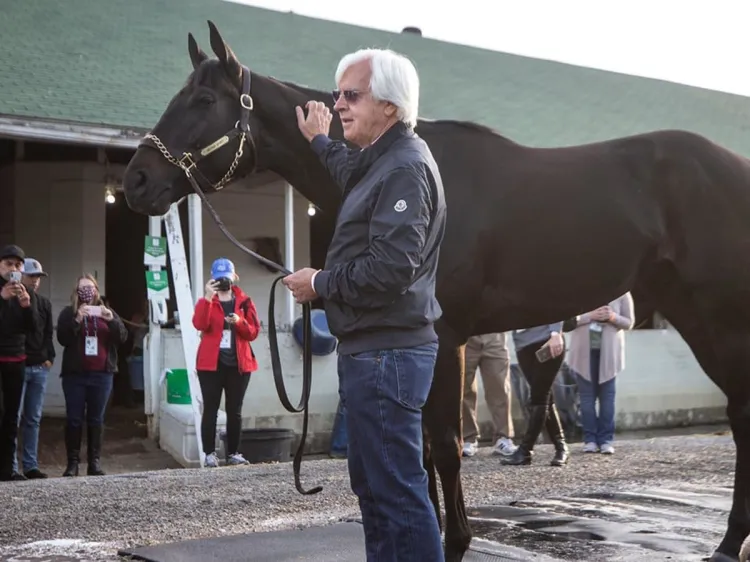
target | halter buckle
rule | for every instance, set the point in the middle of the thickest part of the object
(246, 101)
(187, 157)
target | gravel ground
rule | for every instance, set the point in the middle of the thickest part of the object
(105, 513)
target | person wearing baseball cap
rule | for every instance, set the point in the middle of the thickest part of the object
(18, 316)
(40, 354)
(228, 322)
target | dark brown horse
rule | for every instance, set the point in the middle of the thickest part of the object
(533, 236)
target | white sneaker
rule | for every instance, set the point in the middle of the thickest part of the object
(590, 448)
(470, 448)
(608, 449)
(211, 461)
(504, 446)
(235, 459)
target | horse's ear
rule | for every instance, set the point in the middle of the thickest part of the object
(226, 56)
(196, 54)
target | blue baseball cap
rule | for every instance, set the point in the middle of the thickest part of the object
(222, 267)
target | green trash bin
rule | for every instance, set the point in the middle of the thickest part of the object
(178, 387)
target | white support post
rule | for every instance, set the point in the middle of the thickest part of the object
(289, 246)
(195, 226)
(152, 371)
(185, 306)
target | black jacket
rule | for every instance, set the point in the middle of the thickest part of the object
(69, 334)
(379, 277)
(15, 323)
(39, 344)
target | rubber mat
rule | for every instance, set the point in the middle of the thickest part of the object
(342, 542)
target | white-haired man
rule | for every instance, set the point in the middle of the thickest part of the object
(378, 285)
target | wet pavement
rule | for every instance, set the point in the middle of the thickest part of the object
(665, 498)
(672, 522)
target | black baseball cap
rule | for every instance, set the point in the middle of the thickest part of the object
(12, 251)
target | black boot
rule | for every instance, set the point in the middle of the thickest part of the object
(556, 434)
(73, 449)
(94, 450)
(522, 455)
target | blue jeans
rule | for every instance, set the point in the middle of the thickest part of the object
(383, 393)
(338, 433)
(597, 429)
(30, 415)
(86, 396)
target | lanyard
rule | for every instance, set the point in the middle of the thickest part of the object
(86, 326)
(227, 325)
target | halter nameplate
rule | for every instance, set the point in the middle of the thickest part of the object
(216, 145)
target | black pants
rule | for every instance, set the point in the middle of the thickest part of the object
(234, 385)
(11, 388)
(540, 376)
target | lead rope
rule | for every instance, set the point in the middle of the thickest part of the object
(278, 377)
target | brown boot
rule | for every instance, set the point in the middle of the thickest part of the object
(557, 435)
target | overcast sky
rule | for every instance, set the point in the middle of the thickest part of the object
(685, 42)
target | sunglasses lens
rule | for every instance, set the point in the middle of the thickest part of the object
(349, 95)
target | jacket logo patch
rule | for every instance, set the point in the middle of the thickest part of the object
(400, 206)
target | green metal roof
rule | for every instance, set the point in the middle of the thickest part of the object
(119, 63)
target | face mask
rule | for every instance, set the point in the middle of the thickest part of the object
(224, 284)
(86, 294)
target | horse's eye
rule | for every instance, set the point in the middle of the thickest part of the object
(205, 100)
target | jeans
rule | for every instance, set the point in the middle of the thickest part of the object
(601, 429)
(11, 389)
(86, 396)
(234, 385)
(382, 393)
(30, 414)
(338, 433)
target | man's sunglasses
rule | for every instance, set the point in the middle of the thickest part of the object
(351, 96)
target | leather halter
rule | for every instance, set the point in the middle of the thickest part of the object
(189, 165)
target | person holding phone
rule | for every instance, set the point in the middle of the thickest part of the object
(597, 355)
(540, 351)
(40, 354)
(18, 316)
(228, 322)
(90, 334)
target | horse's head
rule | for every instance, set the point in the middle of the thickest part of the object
(208, 130)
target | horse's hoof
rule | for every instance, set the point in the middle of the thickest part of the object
(721, 557)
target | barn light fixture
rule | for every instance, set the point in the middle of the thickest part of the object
(311, 210)
(109, 195)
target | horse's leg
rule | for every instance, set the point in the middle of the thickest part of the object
(429, 466)
(442, 416)
(724, 355)
(734, 351)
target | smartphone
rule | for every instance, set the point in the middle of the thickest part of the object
(94, 310)
(544, 354)
(15, 276)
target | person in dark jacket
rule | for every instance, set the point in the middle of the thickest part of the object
(18, 316)
(540, 374)
(90, 333)
(40, 354)
(228, 322)
(378, 287)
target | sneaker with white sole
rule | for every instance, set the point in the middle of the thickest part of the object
(590, 448)
(504, 446)
(236, 459)
(608, 449)
(211, 461)
(470, 448)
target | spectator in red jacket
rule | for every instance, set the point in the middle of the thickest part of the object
(228, 322)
